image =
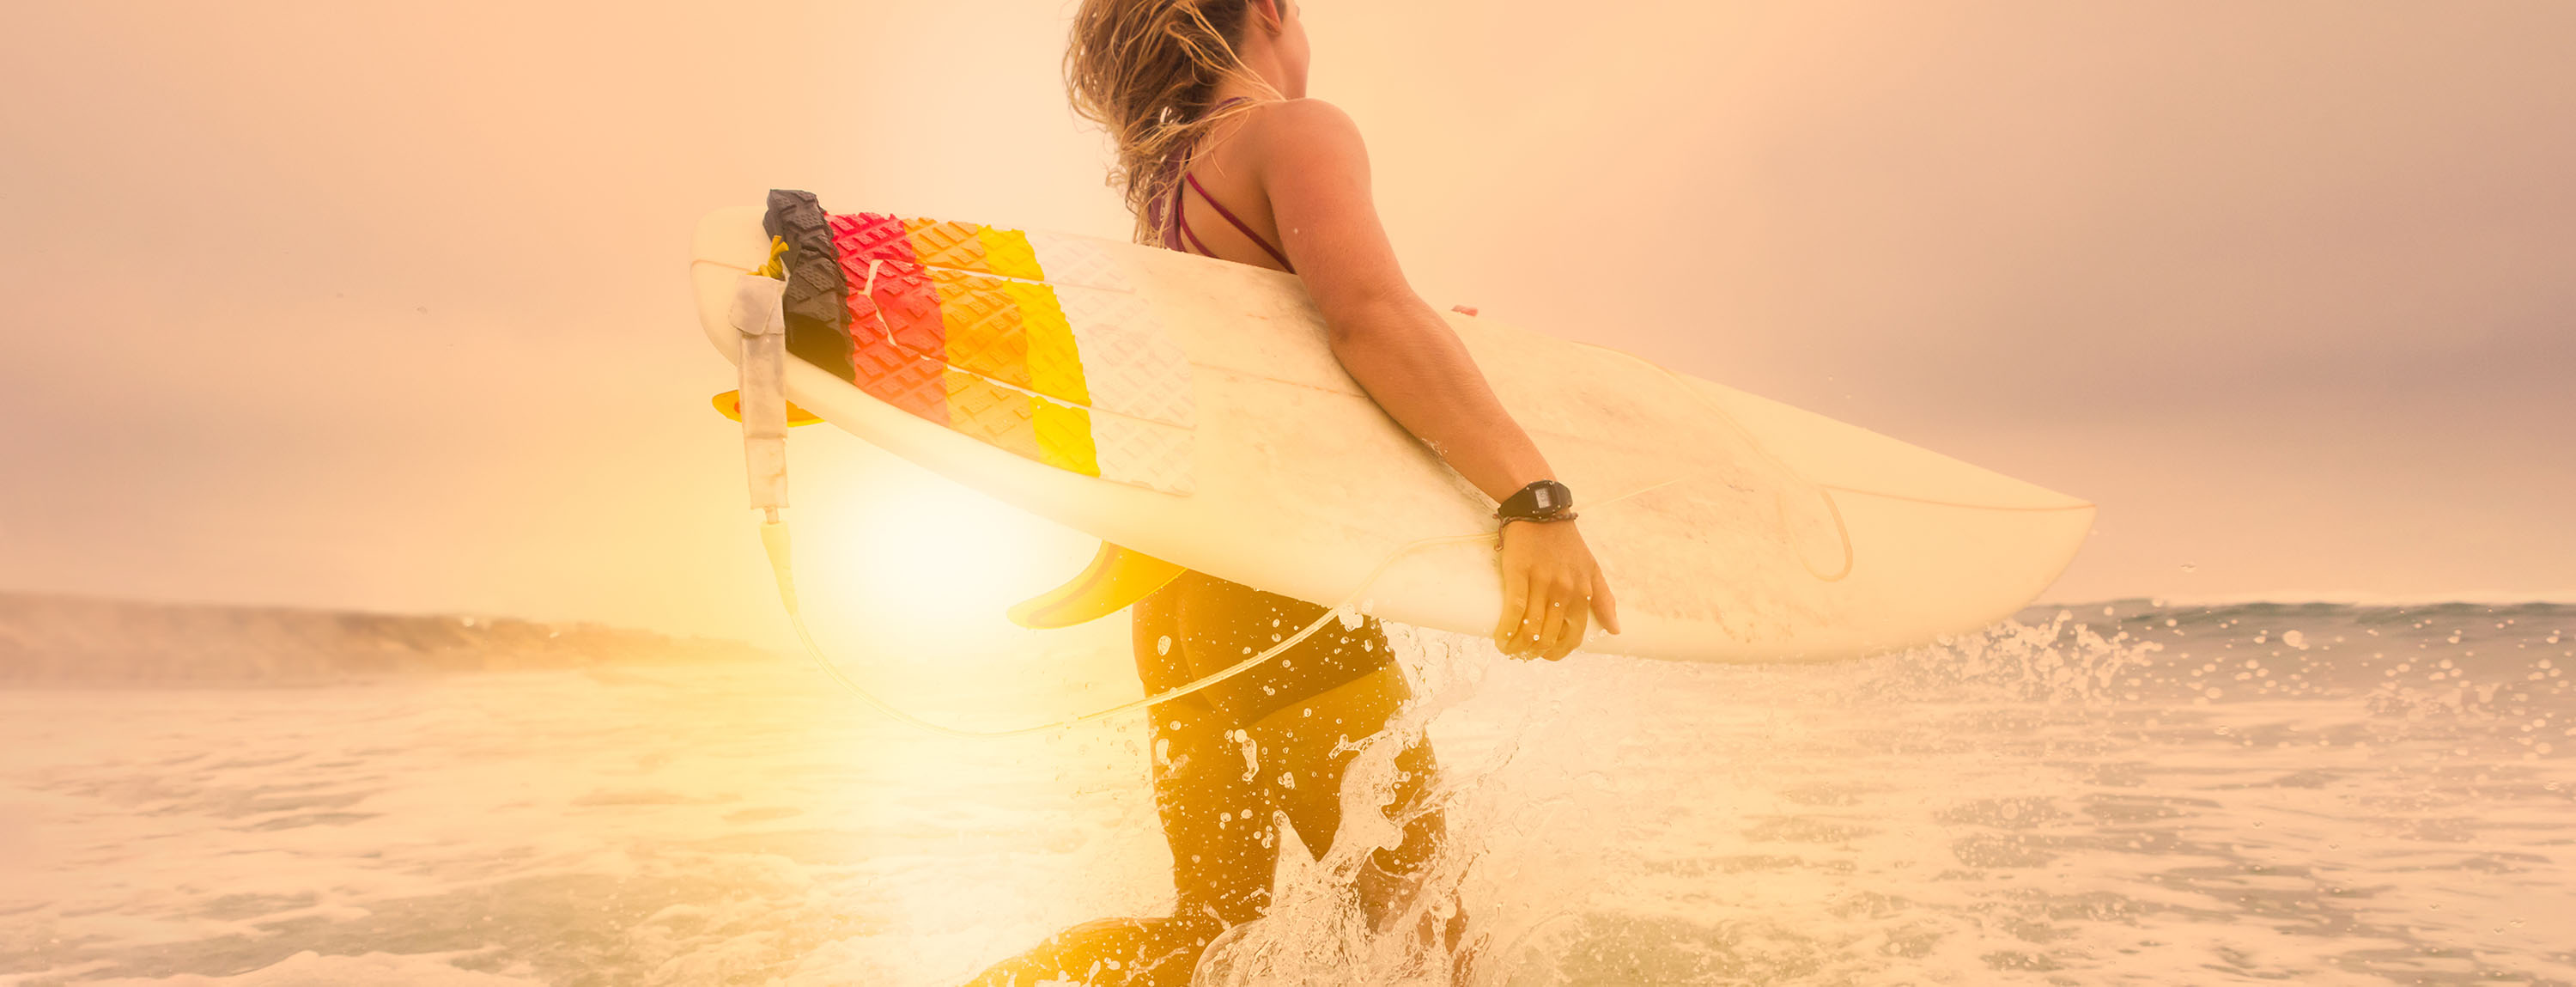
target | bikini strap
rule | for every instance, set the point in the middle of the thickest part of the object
(1229, 216)
(1177, 234)
(1181, 225)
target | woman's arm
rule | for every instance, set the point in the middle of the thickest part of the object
(1314, 169)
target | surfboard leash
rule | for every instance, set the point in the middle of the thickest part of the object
(758, 313)
(1824, 491)
(774, 539)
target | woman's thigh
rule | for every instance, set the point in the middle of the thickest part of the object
(1220, 781)
(1316, 743)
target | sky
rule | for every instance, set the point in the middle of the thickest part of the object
(384, 306)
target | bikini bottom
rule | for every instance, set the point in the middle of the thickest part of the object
(1200, 624)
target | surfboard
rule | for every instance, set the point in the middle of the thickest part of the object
(1191, 410)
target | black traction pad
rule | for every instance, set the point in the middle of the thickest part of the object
(818, 294)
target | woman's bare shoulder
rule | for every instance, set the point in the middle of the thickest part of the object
(1305, 112)
(1303, 128)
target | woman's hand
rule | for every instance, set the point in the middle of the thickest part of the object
(1551, 589)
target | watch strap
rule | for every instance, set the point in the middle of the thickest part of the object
(1545, 500)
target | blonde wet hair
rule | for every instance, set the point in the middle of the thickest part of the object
(1147, 72)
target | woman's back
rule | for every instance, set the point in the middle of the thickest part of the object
(1217, 206)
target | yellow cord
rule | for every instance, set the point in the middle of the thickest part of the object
(773, 537)
(1824, 491)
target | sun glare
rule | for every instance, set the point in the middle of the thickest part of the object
(914, 563)
(944, 556)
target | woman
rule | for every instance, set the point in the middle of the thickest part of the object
(1221, 154)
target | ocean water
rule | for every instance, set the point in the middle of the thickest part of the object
(2127, 793)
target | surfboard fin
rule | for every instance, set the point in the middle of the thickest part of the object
(1116, 578)
(729, 404)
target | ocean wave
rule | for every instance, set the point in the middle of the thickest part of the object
(50, 640)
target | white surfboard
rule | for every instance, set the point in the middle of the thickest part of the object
(1189, 408)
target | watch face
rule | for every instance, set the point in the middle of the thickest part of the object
(1542, 501)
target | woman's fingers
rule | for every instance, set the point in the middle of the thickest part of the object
(1562, 607)
(1567, 619)
(1548, 607)
(1516, 596)
(1552, 592)
(1532, 635)
(1605, 605)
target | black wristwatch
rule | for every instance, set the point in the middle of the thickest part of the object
(1544, 501)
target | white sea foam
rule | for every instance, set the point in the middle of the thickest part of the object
(2153, 795)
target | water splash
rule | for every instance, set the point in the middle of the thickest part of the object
(2149, 794)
